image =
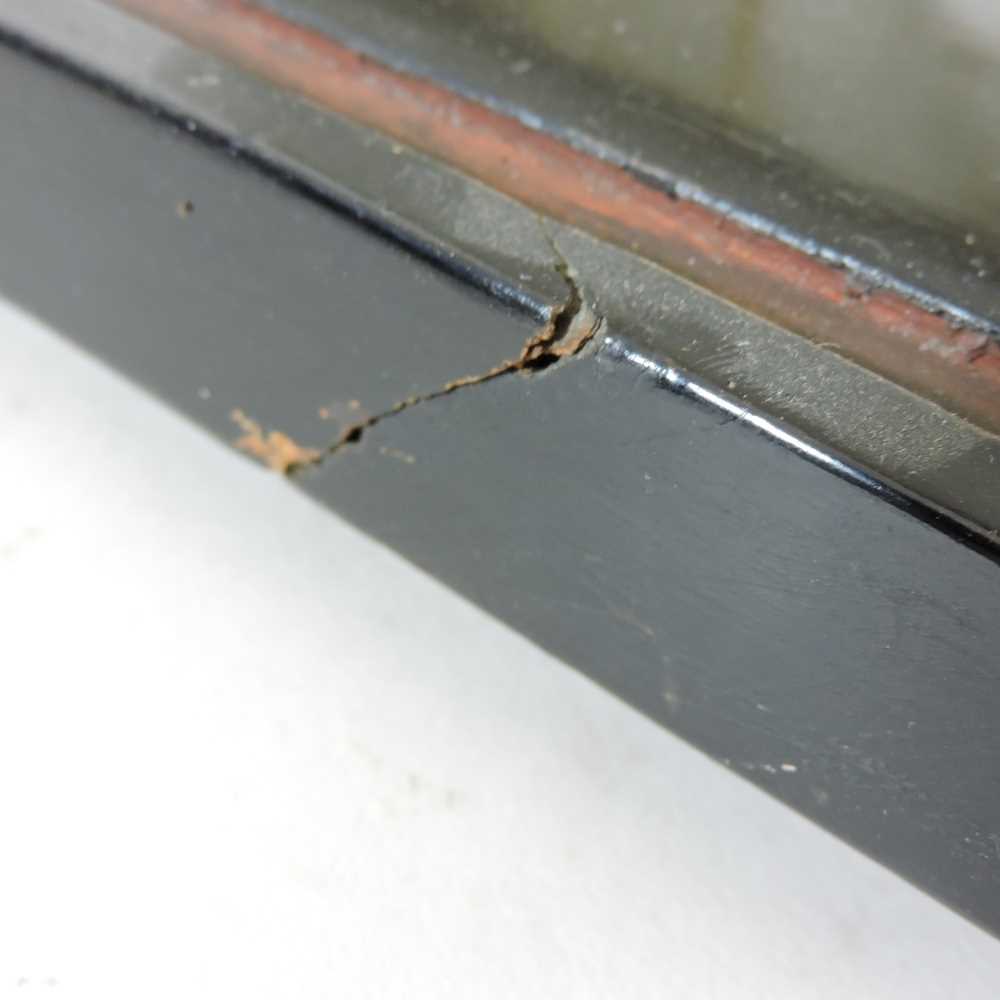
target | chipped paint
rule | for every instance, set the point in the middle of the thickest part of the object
(569, 330)
(276, 450)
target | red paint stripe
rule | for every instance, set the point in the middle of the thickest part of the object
(881, 330)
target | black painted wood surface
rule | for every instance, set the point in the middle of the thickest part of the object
(828, 644)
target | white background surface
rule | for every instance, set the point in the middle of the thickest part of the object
(246, 752)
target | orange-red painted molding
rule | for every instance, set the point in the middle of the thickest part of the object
(878, 328)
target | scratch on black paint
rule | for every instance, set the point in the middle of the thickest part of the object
(571, 326)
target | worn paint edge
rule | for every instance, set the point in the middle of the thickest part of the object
(649, 172)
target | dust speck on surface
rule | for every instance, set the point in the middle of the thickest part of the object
(184, 208)
(341, 411)
(203, 80)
